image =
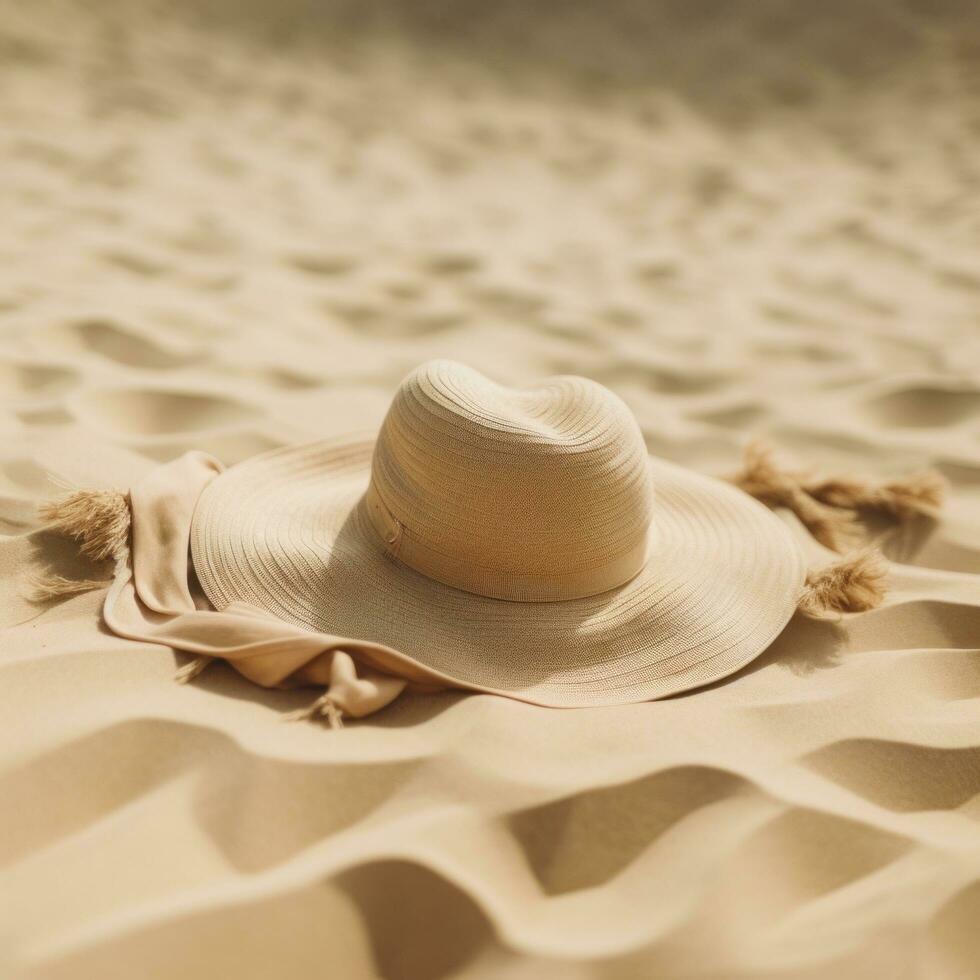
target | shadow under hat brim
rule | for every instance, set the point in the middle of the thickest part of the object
(286, 531)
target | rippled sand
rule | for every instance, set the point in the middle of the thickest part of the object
(238, 230)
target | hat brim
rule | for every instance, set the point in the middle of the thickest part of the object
(285, 531)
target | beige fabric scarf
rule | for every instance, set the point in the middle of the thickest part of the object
(152, 596)
(151, 599)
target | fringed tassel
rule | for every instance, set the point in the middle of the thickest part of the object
(323, 708)
(854, 584)
(46, 587)
(761, 478)
(98, 519)
(192, 669)
(917, 495)
(828, 506)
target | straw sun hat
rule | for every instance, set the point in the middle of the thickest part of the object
(517, 541)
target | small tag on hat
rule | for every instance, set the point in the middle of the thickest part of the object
(386, 524)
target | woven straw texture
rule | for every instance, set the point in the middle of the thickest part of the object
(519, 541)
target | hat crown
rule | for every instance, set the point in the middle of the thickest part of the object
(532, 494)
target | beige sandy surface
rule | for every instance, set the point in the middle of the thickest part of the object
(240, 230)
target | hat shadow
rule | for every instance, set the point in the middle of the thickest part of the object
(804, 646)
(902, 543)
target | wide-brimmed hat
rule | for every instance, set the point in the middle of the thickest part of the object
(512, 541)
(518, 540)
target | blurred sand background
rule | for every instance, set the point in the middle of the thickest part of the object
(234, 225)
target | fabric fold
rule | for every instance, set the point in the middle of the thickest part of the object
(151, 599)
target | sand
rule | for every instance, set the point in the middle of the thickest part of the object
(232, 226)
